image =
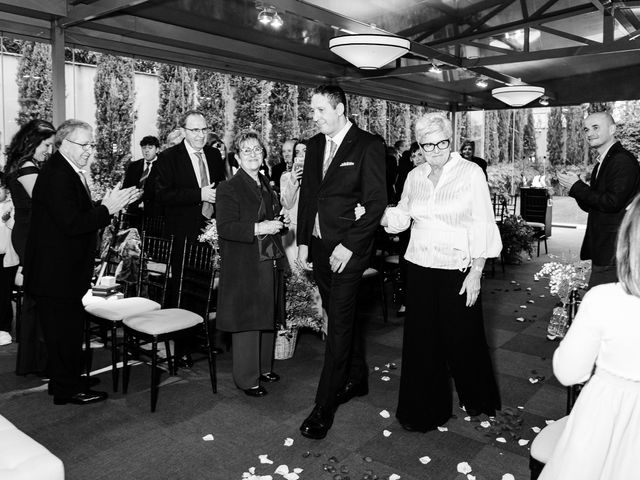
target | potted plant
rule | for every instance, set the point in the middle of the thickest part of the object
(517, 237)
(301, 311)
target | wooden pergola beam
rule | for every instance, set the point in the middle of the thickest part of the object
(86, 12)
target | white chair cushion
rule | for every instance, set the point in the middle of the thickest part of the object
(163, 321)
(89, 298)
(22, 458)
(536, 225)
(545, 443)
(116, 310)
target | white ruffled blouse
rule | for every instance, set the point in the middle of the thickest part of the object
(453, 222)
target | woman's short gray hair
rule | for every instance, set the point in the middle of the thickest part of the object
(245, 136)
(433, 122)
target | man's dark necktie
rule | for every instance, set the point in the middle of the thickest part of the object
(84, 182)
(145, 173)
(207, 207)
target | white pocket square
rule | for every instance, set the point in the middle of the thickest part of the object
(346, 164)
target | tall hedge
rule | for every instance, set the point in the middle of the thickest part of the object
(177, 95)
(555, 137)
(114, 92)
(34, 82)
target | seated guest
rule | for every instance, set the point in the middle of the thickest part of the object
(252, 262)
(141, 174)
(468, 150)
(452, 234)
(601, 439)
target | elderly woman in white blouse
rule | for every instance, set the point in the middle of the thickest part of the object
(452, 235)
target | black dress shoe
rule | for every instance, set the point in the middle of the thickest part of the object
(269, 377)
(185, 361)
(352, 389)
(258, 391)
(82, 398)
(318, 423)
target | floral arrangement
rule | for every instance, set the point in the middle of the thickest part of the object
(564, 276)
(517, 236)
(210, 234)
(300, 301)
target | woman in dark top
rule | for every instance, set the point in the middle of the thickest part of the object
(252, 262)
(29, 149)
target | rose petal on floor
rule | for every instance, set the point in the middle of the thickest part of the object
(471, 477)
(485, 424)
(520, 319)
(385, 378)
(208, 438)
(394, 476)
(386, 433)
(443, 429)
(522, 442)
(549, 422)
(384, 414)
(424, 460)
(508, 476)
(501, 440)
(536, 429)
(467, 419)
(464, 468)
(264, 459)
(288, 442)
(282, 470)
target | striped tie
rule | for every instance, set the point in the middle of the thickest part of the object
(333, 146)
(207, 207)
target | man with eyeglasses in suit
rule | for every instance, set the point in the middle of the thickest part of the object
(187, 176)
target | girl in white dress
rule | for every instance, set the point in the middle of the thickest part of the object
(602, 436)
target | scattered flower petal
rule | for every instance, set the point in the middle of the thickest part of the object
(424, 460)
(536, 429)
(522, 442)
(288, 442)
(520, 319)
(386, 433)
(528, 289)
(549, 422)
(384, 414)
(485, 424)
(385, 378)
(208, 438)
(541, 295)
(282, 470)
(520, 407)
(530, 301)
(471, 477)
(264, 459)
(297, 470)
(443, 429)
(394, 476)
(291, 476)
(523, 306)
(533, 380)
(467, 419)
(508, 476)
(513, 281)
(252, 470)
(501, 440)
(376, 368)
(464, 468)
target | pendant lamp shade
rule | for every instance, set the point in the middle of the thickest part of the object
(517, 95)
(369, 52)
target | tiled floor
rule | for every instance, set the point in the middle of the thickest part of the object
(121, 439)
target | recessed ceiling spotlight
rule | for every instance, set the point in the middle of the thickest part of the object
(265, 17)
(435, 68)
(269, 16)
(544, 101)
(482, 83)
(277, 21)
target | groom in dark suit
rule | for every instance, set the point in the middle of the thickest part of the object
(344, 166)
(60, 254)
(615, 181)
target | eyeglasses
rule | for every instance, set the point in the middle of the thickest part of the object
(249, 151)
(198, 131)
(85, 146)
(430, 147)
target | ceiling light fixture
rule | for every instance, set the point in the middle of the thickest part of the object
(544, 101)
(435, 68)
(269, 16)
(368, 51)
(517, 95)
(482, 82)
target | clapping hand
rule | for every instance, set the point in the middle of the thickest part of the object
(567, 179)
(118, 198)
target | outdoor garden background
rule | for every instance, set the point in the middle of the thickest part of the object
(516, 143)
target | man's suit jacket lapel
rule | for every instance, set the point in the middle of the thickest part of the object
(74, 177)
(341, 153)
(182, 159)
(605, 164)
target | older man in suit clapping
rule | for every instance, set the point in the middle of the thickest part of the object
(344, 166)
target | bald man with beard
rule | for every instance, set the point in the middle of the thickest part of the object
(614, 183)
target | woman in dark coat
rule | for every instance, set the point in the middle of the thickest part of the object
(252, 262)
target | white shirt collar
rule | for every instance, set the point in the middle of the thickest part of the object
(604, 154)
(339, 137)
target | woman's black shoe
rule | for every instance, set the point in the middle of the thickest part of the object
(258, 391)
(269, 377)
